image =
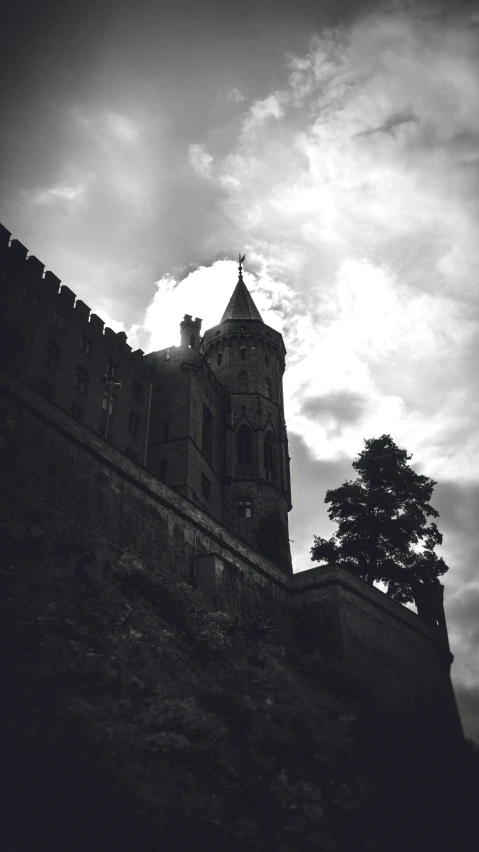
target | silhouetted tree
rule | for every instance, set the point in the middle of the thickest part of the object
(383, 529)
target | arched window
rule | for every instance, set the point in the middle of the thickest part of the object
(243, 381)
(269, 466)
(268, 390)
(245, 454)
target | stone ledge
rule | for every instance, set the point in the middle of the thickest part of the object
(317, 578)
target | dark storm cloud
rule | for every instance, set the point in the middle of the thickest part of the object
(458, 507)
(79, 79)
(388, 126)
(344, 407)
(313, 477)
(464, 615)
(468, 703)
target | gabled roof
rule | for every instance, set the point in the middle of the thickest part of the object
(241, 305)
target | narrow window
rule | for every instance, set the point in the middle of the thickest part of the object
(53, 354)
(111, 370)
(85, 344)
(207, 433)
(162, 468)
(244, 509)
(134, 423)
(58, 319)
(205, 487)
(243, 381)
(219, 358)
(192, 341)
(244, 452)
(268, 391)
(107, 403)
(165, 429)
(269, 459)
(81, 379)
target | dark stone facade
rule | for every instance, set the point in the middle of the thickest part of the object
(51, 341)
(211, 505)
(210, 410)
(217, 428)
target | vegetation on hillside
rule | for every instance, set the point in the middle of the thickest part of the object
(135, 717)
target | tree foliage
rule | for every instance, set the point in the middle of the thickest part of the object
(384, 533)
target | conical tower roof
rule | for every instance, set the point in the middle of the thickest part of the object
(241, 305)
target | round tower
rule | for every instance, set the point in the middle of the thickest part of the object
(248, 359)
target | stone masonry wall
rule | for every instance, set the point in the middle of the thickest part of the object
(52, 341)
(384, 648)
(93, 494)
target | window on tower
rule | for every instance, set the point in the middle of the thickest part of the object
(54, 353)
(81, 379)
(244, 508)
(269, 466)
(244, 450)
(207, 433)
(206, 487)
(268, 390)
(243, 381)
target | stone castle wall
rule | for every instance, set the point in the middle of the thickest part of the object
(183, 386)
(90, 493)
(378, 645)
(56, 465)
(52, 341)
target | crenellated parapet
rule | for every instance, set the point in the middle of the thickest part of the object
(53, 342)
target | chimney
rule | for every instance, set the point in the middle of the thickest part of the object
(190, 332)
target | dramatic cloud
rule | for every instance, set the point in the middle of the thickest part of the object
(342, 407)
(336, 145)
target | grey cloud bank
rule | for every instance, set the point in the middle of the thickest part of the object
(337, 146)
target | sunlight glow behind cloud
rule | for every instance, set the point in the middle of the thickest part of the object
(350, 181)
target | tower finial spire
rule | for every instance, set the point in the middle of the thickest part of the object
(240, 266)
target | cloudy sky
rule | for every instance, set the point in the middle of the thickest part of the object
(143, 145)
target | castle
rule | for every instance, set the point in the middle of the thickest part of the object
(206, 417)
(181, 456)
